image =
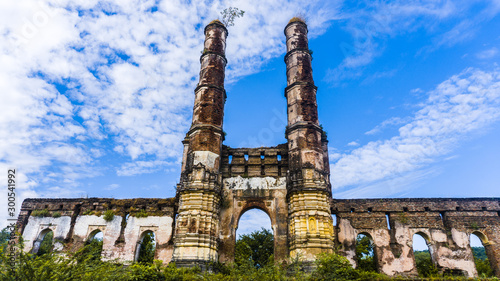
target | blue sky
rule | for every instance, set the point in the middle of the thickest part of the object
(97, 95)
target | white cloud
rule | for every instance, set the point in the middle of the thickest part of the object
(81, 80)
(141, 167)
(353, 143)
(460, 105)
(389, 122)
(112, 186)
(487, 54)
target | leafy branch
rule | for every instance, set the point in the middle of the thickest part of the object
(229, 14)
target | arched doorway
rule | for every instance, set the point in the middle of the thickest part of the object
(44, 243)
(477, 243)
(254, 239)
(423, 256)
(146, 247)
(365, 253)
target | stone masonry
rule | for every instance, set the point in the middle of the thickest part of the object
(289, 182)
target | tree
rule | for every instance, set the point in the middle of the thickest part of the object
(147, 249)
(425, 267)
(365, 254)
(4, 235)
(256, 248)
(91, 252)
(229, 14)
(46, 244)
(482, 263)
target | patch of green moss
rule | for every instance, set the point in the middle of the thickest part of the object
(297, 19)
(109, 215)
(40, 213)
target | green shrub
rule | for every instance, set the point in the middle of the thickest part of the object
(40, 213)
(56, 214)
(109, 215)
(334, 267)
(141, 214)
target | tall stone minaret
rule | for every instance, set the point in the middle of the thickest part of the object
(199, 191)
(308, 185)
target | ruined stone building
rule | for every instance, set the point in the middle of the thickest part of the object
(290, 182)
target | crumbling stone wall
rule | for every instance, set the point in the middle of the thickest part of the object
(74, 221)
(446, 224)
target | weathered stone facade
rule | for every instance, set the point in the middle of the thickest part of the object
(77, 220)
(289, 182)
(446, 225)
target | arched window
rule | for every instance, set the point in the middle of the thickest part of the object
(365, 253)
(93, 246)
(255, 239)
(146, 248)
(423, 258)
(44, 243)
(483, 266)
(333, 230)
(95, 235)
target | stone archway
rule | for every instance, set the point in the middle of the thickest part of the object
(140, 245)
(488, 249)
(45, 234)
(251, 206)
(242, 194)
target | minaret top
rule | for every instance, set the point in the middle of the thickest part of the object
(216, 23)
(294, 21)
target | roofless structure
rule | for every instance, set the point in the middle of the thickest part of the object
(289, 182)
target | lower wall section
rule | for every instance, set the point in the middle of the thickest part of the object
(445, 224)
(123, 224)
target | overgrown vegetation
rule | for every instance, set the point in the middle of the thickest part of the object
(365, 254)
(482, 263)
(298, 18)
(40, 213)
(147, 249)
(46, 244)
(255, 248)
(109, 215)
(425, 267)
(141, 214)
(86, 264)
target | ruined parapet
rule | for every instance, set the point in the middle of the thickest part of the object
(255, 162)
(75, 221)
(308, 185)
(445, 223)
(199, 190)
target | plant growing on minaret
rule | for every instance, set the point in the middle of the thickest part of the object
(229, 14)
